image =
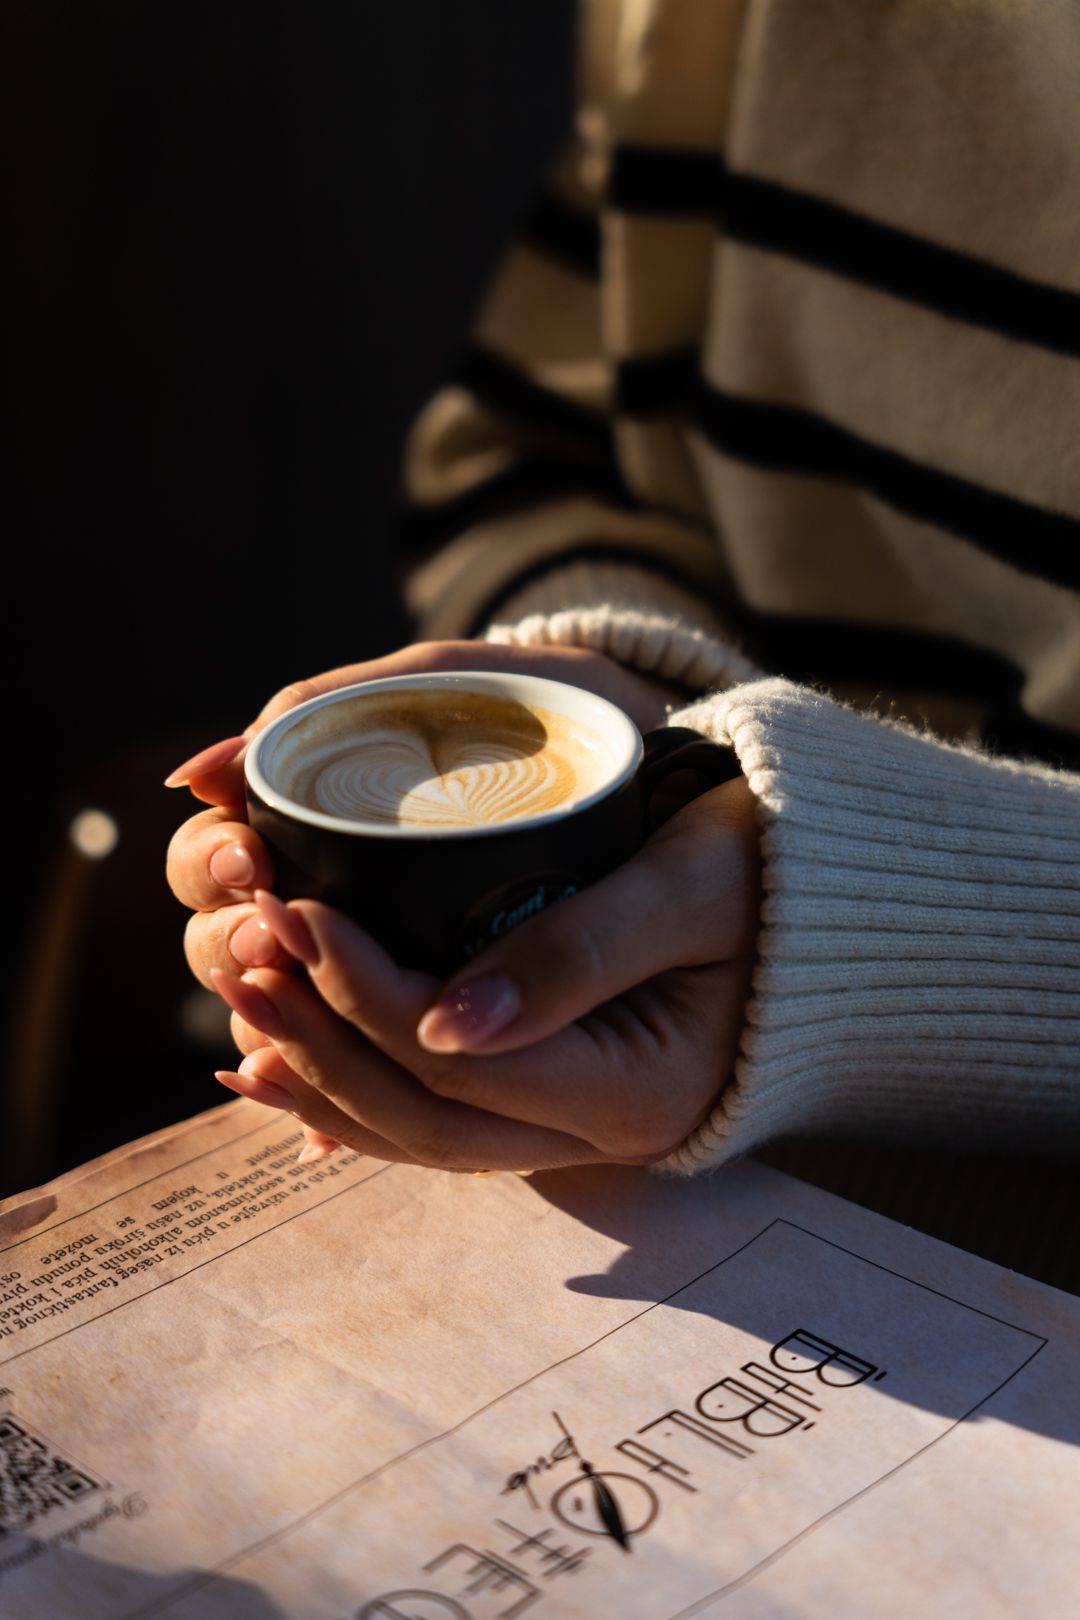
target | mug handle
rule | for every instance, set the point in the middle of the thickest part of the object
(669, 749)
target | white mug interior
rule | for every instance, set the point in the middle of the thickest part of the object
(274, 749)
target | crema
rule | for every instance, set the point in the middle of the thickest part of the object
(441, 759)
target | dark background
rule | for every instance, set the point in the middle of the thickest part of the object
(244, 242)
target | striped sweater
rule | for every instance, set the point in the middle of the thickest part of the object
(775, 394)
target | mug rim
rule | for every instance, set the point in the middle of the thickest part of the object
(486, 681)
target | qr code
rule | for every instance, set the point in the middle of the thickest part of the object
(35, 1478)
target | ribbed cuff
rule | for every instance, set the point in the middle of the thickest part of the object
(918, 972)
(634, 615)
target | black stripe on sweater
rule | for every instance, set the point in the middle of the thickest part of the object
(657, 386)
(765, 214)
(827, 651)
(530, 482)
(645, 180)
(509, 391)
(564, 234)
(785, 439)
(782, 439)
(821, 650)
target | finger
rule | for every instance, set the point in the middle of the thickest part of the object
(425, 657)
(335, 1129)
(234, 938)
(678, 903)
(606, 1082)
(216, 774)
(245, 1037)
(210, 770)
(379, 1094)
(271, 1093)
(268, 1064)
(352, 972)
(316, 1145)
(215, 860)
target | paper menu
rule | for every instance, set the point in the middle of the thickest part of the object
(237, 1387)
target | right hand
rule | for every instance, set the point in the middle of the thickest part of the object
(216, 862)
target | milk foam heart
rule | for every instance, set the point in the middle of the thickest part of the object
(441, 759)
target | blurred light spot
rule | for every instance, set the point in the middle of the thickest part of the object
(204, 1019)
(94, 834)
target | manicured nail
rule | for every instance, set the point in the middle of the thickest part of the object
(252, 944)
(470, 1014)
(288, 926)
(210, 759)
(232, 867)
(249, 1003)
(311, 1151)
(260, 1091)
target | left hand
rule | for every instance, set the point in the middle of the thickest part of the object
(600, 1031)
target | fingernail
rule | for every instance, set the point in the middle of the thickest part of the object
(232, 867)
(249, 1002)
(260, 1091)
(310, 1151)
(470, 1014)
(288, 927)
(210, 759)
(252, 944)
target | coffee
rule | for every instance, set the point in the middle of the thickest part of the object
(440, 759)
(438, 810)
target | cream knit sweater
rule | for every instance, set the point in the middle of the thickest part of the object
(787, 355)
(918, 960)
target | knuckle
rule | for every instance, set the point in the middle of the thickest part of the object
(433, 655)
(325, 1081)
(289, 697)
(244, 1038)
(580, 949)
(188, 852)
(177, 857)
(341, 996)
(456, 1081)
(195, 947)
(296, 692)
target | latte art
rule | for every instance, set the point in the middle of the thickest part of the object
(443, 759)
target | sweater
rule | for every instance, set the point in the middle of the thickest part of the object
(771, 398)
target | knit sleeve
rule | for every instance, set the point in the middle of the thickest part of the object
(635, 615)
(918, 965)
(918, 956)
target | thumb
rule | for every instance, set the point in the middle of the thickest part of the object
(664, 909)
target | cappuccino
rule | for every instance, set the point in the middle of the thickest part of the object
(441, 759)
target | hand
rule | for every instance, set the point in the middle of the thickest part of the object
(601, 1030)
(216, 862)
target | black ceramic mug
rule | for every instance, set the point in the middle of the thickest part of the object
(436, 896)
